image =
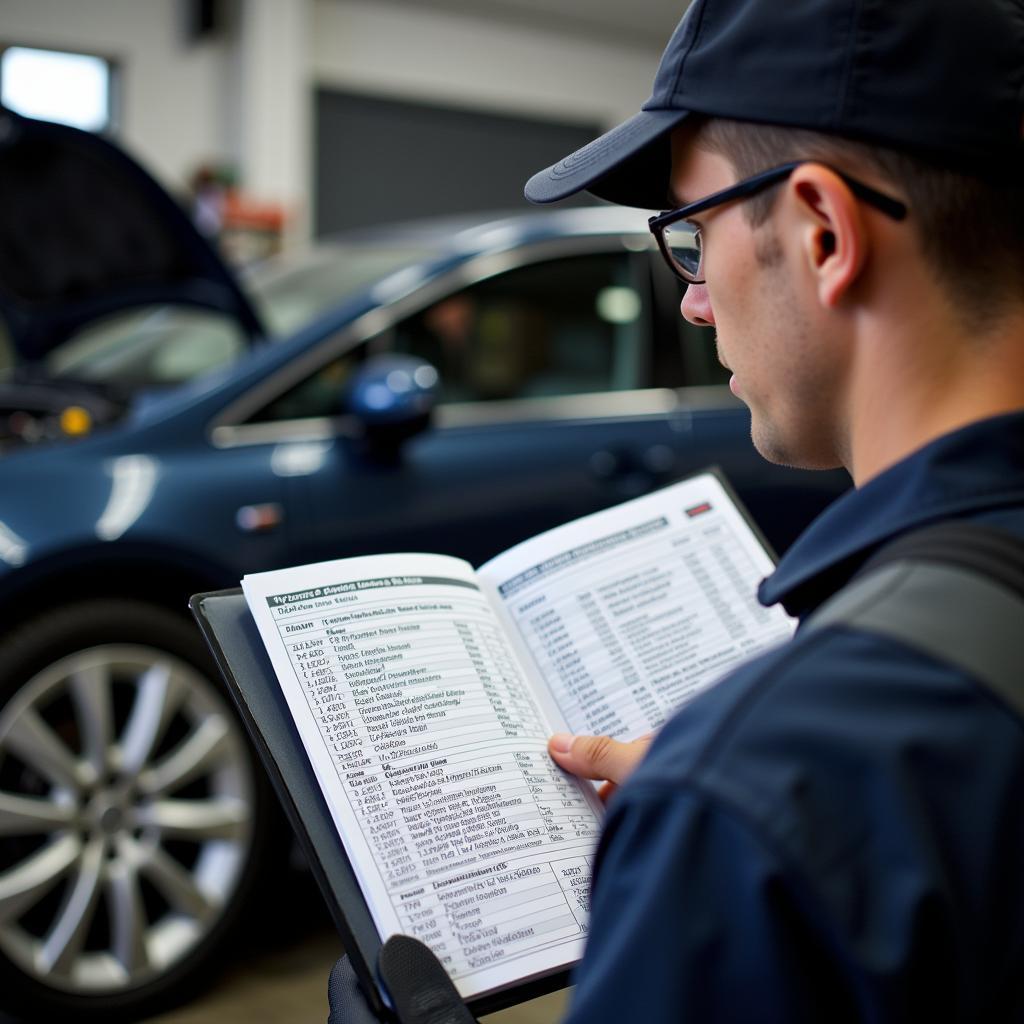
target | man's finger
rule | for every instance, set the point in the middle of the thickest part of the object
(347, 1003)
(597, 757)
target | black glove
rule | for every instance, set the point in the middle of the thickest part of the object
(421, 990)
(345, 997)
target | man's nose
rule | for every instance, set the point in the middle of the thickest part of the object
(696, 306)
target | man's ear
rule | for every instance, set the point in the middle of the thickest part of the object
(834, 234)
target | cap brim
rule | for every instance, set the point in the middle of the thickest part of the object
(630, 165)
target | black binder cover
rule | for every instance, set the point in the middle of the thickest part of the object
(233, 637)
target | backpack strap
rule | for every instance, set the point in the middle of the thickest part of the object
(954, 591)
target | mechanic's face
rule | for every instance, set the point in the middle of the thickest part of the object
(765, 317)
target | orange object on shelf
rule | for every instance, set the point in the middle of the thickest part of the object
(250, 229)
(241, 211)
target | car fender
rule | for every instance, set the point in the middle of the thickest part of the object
(160, 574)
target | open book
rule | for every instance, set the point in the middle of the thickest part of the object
(424, 692)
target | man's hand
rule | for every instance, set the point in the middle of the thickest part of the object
(347, 1003)
(420, 990)
(598, 757)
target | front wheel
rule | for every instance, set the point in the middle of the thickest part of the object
(132, 813)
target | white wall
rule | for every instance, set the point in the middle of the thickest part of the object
(397, 49)
(172, 93)
(271, 116)
(247, 99)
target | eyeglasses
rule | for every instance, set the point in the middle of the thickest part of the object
(680, 240)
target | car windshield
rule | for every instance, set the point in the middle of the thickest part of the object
(293, 292)
(159, 346)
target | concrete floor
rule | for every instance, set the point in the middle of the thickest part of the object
(279, 976)
(283, 980)
(290, 987)
(285, 986)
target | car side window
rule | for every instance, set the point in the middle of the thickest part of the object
(319, 394)
(568, 326)
(561, 327)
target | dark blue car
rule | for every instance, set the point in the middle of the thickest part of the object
(451, 386)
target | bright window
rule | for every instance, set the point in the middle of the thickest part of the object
(73, 88)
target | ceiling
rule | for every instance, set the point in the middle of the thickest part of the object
(646, 23)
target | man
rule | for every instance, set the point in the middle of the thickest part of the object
(833, 832)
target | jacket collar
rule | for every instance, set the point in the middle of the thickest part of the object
(968, 472)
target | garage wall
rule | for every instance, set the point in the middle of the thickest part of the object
(187, 103)
(482, 103)
(400, 49)
(173, 93)
(379, 160)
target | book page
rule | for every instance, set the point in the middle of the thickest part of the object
(430, 749)
(630, 612)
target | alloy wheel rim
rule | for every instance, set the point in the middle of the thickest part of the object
(126, 795)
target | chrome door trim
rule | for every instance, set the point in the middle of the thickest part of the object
(604, 405)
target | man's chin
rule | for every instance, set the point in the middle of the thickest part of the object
(777, 450)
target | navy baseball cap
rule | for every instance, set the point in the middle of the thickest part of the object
(940, 78)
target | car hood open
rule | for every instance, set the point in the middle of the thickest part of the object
(86, 232)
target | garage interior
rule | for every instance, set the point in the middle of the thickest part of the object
(328, 115)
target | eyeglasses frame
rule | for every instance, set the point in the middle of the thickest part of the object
(751, 186)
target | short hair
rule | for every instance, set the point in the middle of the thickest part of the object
(971, 229)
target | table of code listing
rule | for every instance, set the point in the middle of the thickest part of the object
(435, 751)
(627, 626)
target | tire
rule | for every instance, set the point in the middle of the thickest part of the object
(135, 822)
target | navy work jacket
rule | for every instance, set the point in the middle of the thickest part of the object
(835, 832)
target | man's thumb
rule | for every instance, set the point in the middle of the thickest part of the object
(596, 757)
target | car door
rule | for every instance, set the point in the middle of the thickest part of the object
(559, 396)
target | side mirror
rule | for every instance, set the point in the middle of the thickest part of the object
(392, 397)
